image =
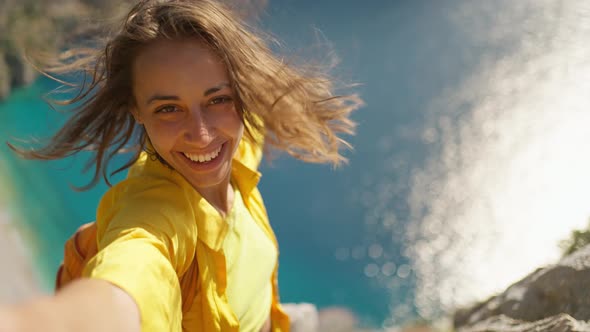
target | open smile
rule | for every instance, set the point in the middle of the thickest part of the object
(203, 158)
(203, 161)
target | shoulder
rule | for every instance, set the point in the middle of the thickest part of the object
(148, 181)
(145, 192)
(147, 202)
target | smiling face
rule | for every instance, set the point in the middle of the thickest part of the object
(184, 101)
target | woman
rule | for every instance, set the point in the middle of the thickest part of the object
(184, 242)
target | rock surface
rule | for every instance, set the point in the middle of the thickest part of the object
(4, 77)
(561, 322)
(554, 298)
(34, 26)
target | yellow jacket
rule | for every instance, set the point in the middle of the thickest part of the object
(151, 229)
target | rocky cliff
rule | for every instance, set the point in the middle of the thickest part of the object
(34, 26)
(553, 298)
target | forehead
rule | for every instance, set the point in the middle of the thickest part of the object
(171, 63)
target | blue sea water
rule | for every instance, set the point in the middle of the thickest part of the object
(51, 211)
(342, 232)
(42, 191)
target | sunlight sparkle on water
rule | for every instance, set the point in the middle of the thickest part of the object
(510, 177)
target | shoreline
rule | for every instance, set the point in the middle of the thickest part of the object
(20, 279)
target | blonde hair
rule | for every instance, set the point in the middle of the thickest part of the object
(295, 109)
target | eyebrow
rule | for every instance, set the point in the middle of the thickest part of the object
(172, 97)
(216, 88)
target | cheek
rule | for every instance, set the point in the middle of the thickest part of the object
(235, 124)
(162, 135)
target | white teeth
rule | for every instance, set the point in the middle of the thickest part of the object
(203, 157)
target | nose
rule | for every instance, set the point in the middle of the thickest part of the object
(197, 130)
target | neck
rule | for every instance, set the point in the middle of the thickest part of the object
(221, 197)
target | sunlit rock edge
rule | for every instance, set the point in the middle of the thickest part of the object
(553, 298)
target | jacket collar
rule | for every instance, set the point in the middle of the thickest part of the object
(211, 227)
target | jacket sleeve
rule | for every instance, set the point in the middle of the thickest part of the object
(146, 238)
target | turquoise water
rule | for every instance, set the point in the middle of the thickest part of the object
(42, 193)
(314, 209)
(51, 210)
(319, 214)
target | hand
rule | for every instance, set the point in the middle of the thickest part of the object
(7, 321)
(70, 310)
(14, 318)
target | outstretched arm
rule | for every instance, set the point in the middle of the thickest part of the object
(84, 305)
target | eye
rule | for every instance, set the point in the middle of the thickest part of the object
(167, 109)
(221, 100)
